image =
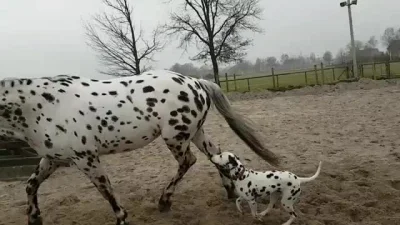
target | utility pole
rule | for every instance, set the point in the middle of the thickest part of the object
(353, 48)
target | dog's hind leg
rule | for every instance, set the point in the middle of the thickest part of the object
(204, 144)
(288, 200)
(272, 201)
(253, 207)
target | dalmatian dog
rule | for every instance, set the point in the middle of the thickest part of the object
(250, 185)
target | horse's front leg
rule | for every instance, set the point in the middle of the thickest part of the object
(91, 167)
(204, 144)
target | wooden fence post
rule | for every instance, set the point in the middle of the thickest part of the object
(277, 80)
(248, 84)
(305, 77)
(322, 73)
(388, 69)
(316, 74)
(362, 70)
(273, 77)
(234, 80)
(333, 72)
(347, 72)
(227, 82)
(374, 71)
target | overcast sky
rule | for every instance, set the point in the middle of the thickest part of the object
(46, 37)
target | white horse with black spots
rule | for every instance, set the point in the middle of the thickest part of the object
(74, 119)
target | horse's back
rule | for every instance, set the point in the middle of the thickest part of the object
(127, 113)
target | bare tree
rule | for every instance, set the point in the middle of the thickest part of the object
(341, 56)
(313, 58)
(327, 57)
(123, 49)
(215, 26)
(389, 35)
(357, 44)
(371, 43)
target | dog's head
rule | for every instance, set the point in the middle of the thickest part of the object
(229, 165)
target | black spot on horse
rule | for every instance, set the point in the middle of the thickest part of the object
(112, 93)
(93, 109)
(83, 140)
(49, 97)
(48, 144)
(148, 89)
(61, 128)
(177, 80)
(173, 122)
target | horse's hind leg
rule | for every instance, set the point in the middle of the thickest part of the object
(204, 144)
(186, 159)
(42, 172)
(90, 165)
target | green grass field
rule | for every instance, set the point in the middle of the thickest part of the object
(291, 79)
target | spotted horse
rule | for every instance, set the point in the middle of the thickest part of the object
(74, 119)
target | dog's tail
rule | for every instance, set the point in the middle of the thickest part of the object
(238, 123)
(308, 179)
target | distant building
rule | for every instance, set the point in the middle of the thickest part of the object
(394, 49)
(369, 54)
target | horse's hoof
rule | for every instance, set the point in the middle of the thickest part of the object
(37, 221)
(164, 206)
(122, 223)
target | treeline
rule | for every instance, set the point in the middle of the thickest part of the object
(366, 52)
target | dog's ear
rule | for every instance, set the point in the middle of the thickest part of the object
(232, 161)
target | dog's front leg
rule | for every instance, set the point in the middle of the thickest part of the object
(253, 207)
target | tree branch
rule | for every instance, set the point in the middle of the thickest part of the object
(118, 48)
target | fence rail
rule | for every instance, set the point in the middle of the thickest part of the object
(17, 160)
(319, 75)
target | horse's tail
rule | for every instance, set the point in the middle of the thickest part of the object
(238, 123)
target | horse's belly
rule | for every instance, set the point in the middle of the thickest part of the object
(128, 138)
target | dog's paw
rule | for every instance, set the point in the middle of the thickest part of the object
(259, 217)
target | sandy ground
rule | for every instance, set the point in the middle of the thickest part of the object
(354, 128)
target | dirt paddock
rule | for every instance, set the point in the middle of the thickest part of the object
(354, 128)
